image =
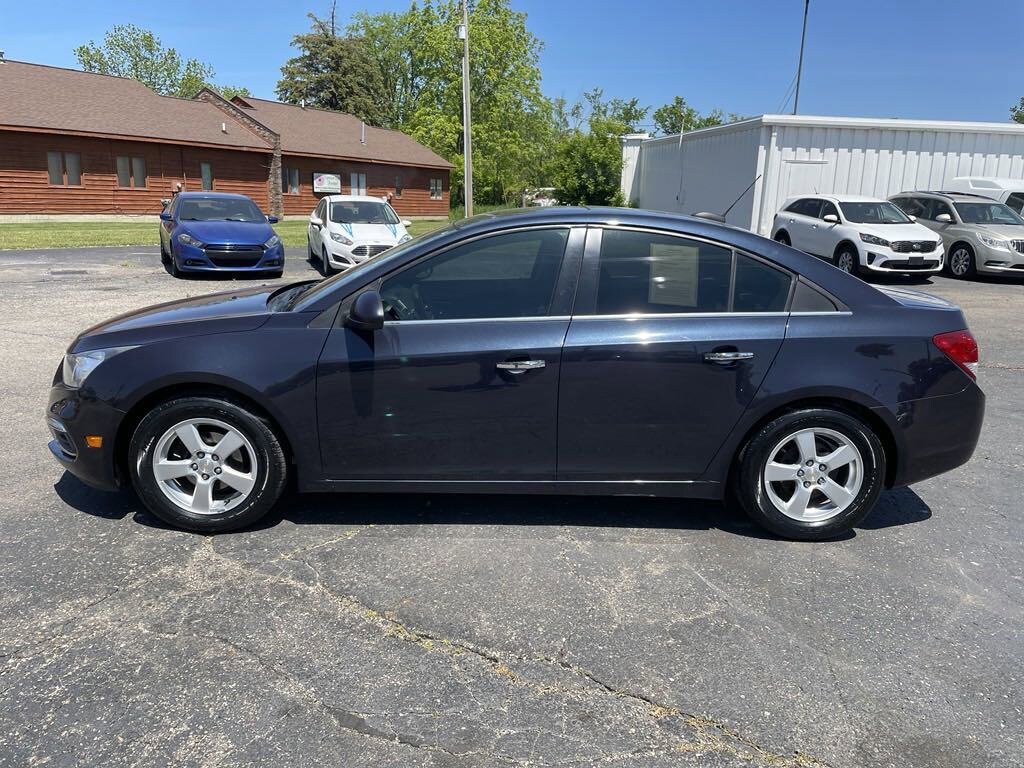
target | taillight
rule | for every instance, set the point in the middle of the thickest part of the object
(961, 348)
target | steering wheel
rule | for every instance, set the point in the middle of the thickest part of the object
(403, 303)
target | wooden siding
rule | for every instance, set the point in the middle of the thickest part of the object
(25, 187)
(380, 180)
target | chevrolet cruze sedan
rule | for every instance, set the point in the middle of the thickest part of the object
(560, 350)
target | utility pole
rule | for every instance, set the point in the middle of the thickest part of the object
(467, 139)
(800, 64)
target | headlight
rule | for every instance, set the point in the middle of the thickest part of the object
(995, 243)
(872, 240)
(405, 238)
(78, 366)
(186, 239)
(274, 240)
(340, 238)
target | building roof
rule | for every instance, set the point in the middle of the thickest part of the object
(323, 133)
(40, 97)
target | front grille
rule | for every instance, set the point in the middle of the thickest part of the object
(234, 255)
(1018, 245)
(914, 246)
(370, 250)
(908, 266)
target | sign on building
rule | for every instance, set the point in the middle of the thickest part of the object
(328, 183)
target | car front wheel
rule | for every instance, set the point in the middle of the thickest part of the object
(847, 260)
(961, 262)
(811, 474)
(206, 464)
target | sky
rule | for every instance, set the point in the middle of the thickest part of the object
(926, 59)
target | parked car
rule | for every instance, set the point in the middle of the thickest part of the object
(1009, 191)
(542, 197)
(557, 350)
(980, 235)
(349, 229)
(219, 232)
(858, 234)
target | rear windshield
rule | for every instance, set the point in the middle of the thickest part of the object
(360, 212)
(219, 209)
(873, 213)
(987, 213)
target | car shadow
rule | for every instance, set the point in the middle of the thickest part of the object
(899, 507)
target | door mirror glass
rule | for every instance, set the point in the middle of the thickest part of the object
(831, 218)
(944, 218)
(367, 312)
(272, 219)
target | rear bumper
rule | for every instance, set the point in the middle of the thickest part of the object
(70, 418)
(937, 434)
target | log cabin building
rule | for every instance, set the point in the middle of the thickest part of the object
(75, 142)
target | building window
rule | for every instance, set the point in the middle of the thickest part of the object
(289, 180)
(131, 172)
(358, 183)
(206, 170)
(436, 189)
(399, 185)
(65, 168)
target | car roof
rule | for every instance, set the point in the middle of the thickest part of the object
(956, 197)
(354, 199)
(836, 198)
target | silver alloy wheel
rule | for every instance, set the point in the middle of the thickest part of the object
(960, 261)
(845, 261)
(814, 474)
(205, 466)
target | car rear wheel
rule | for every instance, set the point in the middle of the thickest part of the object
(782, 237)
(847, 260)
(961, 262)
(206, 464)
(811, 474)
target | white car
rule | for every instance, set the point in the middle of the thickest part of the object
(858, 234)
(347, 229)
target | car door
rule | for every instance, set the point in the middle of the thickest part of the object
(803, 216)
(823, 237)
(670, 340)
(316, 230)
(462, 381)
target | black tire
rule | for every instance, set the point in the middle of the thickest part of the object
(269, 463)
(165, 257)
(172, 263)
(782, 237)
(311, 256)
(326, 262)
(753, 494)
(277, 273)
(847, 255)
(960, 263)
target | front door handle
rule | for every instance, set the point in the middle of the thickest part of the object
(723, 358)
(521, 366)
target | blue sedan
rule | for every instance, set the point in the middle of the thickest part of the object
(214, 232)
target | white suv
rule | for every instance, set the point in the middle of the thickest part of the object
(858, 234)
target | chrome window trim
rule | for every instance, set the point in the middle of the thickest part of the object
(639, 316)
(527, 319)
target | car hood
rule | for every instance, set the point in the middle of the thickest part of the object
(228, 232)
(375, 233)
(892, 232)
(239, 310)
(1009, 231)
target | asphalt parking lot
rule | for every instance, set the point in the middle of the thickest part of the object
(496, 631)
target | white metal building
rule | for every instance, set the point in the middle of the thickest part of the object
(707, 170)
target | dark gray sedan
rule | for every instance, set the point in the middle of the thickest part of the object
(563, 350)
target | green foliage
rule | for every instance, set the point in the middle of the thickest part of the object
(334, 72)
(1017, 112)
(136, 53)
(678, 116)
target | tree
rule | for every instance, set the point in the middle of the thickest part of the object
(1017, 112)
(136, 53)
(678, 116)
(334, 72)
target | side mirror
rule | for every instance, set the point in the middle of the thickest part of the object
(944, 218)
(316, 221)
(272, 219)
(406, 223)
(912, 218)
(165, 216)
(831, 218)
(366, 313)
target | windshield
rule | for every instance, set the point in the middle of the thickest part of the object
(360, 212)
(219, 209)
(873, 213)
(987, 213)
(313, 292)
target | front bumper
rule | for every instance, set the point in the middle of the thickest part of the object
(879, 258)
(70, 417)
(214, 258)
(989, 259)
(344, 256)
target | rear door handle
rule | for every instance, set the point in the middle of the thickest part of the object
(723, 358)
(521, 366)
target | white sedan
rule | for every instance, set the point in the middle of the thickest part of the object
(858, 234)
(348, 229)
